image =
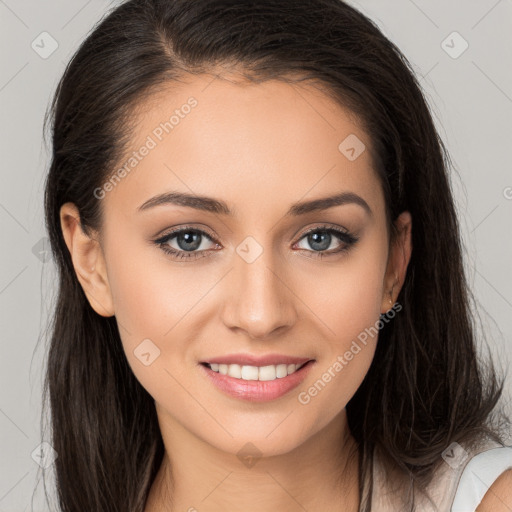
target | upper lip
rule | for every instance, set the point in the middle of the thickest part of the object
(255, 360)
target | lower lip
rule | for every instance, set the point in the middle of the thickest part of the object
(256, 390)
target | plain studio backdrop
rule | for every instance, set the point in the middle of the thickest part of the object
(460, 50)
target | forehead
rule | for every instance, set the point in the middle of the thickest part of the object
(251, 144)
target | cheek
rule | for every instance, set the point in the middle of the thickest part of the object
(148, 301)
(349, 305)
(350, 299)
(148, 312)
(150, 293)
(160, 311)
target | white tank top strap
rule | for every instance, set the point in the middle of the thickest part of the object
(478, 475)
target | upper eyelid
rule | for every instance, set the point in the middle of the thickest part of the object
(184, 228)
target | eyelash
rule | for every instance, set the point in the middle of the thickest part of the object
(347, 238)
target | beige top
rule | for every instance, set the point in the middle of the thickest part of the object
(458, 485)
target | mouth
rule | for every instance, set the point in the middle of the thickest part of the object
(256, 373)
(256, 383)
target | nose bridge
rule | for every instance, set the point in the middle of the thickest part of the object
(262, 301)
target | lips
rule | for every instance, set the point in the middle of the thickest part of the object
(256, 378)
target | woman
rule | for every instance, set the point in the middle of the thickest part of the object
(262, 302)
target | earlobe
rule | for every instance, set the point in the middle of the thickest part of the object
(398, 261)
(88, 261)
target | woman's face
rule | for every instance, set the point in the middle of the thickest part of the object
(250, 282)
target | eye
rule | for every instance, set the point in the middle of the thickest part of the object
(321, 238)
(192, 243)
(188, 240)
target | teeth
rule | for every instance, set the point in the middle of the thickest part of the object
(249, 373)
(267, 373)
(270, 372)
(281, 371)
(234, 370)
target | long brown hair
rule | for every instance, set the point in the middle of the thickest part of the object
(425, 387)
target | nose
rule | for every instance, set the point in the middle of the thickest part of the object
(260, 300)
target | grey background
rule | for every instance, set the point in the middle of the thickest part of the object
(470, 96)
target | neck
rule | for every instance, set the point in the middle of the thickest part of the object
(320, 474)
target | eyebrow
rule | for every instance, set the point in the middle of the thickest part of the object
(212, 205)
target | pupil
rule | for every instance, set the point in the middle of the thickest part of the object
(326, 237)
(189, 237)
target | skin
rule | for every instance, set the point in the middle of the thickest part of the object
(260, 148)
(499, 496)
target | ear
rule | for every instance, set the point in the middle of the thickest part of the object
(398, 260)
(88, 261)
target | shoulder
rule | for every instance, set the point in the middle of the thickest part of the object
(499, 496)
(485, 484)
